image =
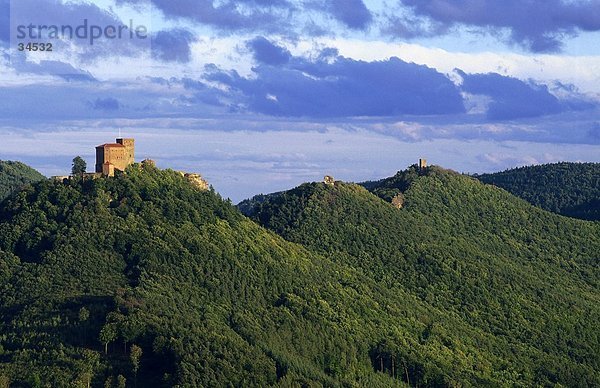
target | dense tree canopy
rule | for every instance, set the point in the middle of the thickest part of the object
(520, 284)
(14, 175)
(91, 267)
(142, 279)
(571, 189)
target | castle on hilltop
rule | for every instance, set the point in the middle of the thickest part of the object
(111, 157)
(115, 156)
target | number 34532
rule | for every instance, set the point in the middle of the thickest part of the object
(34, 47)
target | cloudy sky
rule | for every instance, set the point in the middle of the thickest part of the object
(261, 95)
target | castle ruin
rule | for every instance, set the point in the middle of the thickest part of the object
(398, 201)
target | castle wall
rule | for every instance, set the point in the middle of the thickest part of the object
(117, 157)
(99, 158)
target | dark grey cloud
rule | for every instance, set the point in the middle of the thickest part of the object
(329, 86)
(106, 104)
(62, 100)
(334, 86)
(571, 97)
(268, 3)
(260, 16)
(60, 69)
(4, 21)
(230, 15)
(203, 94)
(268, 53)
(411, 26)
(173, 45)
(537, 25)
(74, 16)
(513, 98)
(353, 13)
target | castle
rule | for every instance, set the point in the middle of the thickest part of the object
(111, 157)
(114, 156)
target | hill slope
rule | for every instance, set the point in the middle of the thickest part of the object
(525, 281)
(571, 189)
(466, 285)
(14, 175)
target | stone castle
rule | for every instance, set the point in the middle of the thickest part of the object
(115, 156)
(111, 157)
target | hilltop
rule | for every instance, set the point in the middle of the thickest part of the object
(14, 175)
(571, 189)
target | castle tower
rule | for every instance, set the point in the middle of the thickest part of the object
(119, 155)
(129, 145)
(422, 164)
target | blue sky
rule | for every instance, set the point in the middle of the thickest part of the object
(260, 95)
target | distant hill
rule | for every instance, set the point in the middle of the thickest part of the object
(14, 175)
(511, 291)
(571, 189)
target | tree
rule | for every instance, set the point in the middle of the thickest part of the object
(79, 166)
(121, 381)
(90, 362)
(84, 315)
(107, 335)
(4, 381)
(135, 355)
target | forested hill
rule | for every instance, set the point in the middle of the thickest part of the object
(143, 280)
(14, 175)
(512, 292)
(571, 189)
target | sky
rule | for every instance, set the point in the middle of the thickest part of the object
(262, 95)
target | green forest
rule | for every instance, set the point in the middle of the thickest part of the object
(144, 280)
(571, 189)
(14, 175)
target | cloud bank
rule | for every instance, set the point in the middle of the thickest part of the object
(335, 86)
(536, 25)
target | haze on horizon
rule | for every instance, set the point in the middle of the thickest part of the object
(260, 96)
